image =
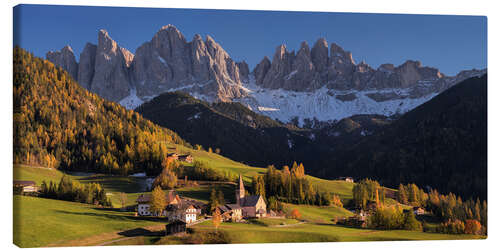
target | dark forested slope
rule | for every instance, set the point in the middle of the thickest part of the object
(59, 124)
(442, 143)
(238, 132)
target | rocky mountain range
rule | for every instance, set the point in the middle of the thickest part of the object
(323, 83)
(166, 63)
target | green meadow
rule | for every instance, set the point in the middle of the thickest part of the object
(43, 222)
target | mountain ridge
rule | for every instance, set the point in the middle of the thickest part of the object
(202, 68)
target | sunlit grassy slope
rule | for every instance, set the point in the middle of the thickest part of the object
(40, 222)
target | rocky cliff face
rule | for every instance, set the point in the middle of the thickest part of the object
(87, 65)
(103, 68)
(168, 62)
(65, 58)
(312, 69)
(327, 84)
(111, 75)
(323, 82)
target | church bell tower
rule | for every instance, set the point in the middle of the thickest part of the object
(240, 192)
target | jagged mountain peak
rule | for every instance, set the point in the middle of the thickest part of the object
(322, 81)
(64, 58)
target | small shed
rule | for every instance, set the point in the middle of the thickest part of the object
(25, 186)
(173, 156)
(346, 179)
(418, 211)
(175, 227)
(186, 158)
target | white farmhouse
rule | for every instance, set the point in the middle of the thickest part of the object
(143, 203)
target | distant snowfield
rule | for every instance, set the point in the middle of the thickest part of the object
(321, 104)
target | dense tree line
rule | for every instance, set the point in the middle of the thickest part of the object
(70, 190)
(290, 185)
(59, 124)
(411, 194)
(394, 217)
(451, 209)
(216, 199)
(367, 191)
(202, 171)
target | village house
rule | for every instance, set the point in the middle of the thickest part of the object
(183, 211)
(346, 179)
(173, 156)
(230, 212)
(25, 186)
(144, 199)
(251, 206)
(186, 158)
(418, 211)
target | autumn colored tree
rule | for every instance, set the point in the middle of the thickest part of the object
(167, 179)
(402, 194)
(158, 201)
(295, 214)
(216, 219)
(336, 201)
(213, 201)
(472, 227)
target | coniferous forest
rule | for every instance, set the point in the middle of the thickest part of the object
(59, 124)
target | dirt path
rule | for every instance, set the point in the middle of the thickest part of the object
(117, 240)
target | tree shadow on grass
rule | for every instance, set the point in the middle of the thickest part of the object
(140, 232)
(115, 216)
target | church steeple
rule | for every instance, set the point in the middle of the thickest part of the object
(240, 192)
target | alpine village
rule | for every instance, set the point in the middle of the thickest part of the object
(94, 165)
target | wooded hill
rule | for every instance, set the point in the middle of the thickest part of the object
(240, 133)
(441, 144)
(61, 125)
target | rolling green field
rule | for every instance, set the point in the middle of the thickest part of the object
(341, 188)
(319, 214)
(113, 185)
(41, 222)
(317, 232)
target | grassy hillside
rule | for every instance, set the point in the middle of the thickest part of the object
(40, 222)
(319, 214)
(37, 174)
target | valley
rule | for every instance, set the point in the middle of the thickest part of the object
(177, 143)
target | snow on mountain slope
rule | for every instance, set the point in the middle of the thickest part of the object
(322, 104)
(132, 101)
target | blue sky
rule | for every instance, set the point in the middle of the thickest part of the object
(450, 43)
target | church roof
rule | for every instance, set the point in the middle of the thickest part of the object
(233, 206)
(250, 201)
